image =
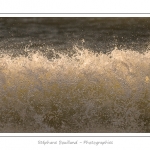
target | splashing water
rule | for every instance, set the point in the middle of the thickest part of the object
(85, 92)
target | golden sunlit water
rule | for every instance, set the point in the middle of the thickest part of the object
(83, 92)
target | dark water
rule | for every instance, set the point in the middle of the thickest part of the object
(74, 75)
(99, 34)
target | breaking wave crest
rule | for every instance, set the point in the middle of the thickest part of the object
(84, 92)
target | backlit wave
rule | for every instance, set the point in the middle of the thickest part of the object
(84, 92)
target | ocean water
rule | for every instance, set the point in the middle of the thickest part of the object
(74, 75)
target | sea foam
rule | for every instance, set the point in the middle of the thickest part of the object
(82, 92)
